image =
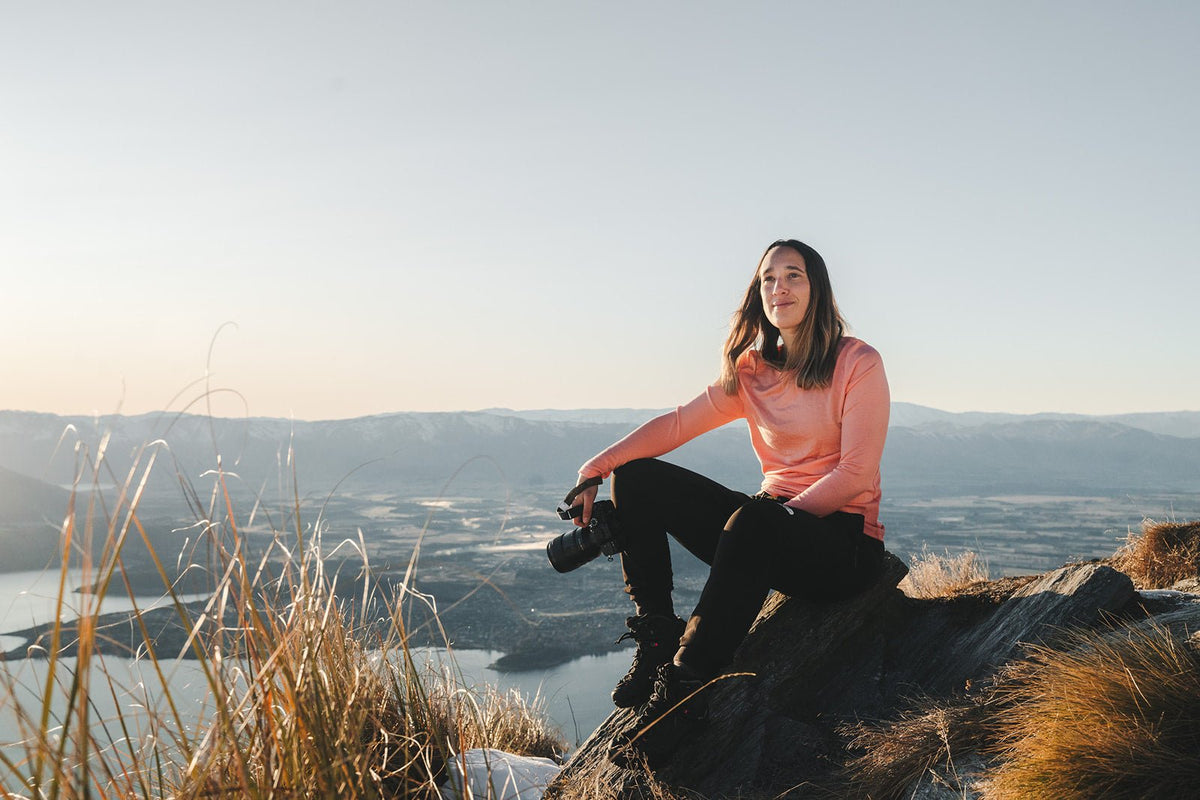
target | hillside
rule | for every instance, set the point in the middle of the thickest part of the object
(26, 499)
(31, 513)
(1083, 682)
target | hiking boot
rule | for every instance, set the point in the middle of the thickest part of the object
(677, 708)
(657, 637)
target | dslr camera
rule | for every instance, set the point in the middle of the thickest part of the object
(602, 534)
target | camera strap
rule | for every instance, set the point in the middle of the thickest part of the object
(571, 495)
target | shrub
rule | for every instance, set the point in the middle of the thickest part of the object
(1162, 554)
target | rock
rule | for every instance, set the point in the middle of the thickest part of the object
(815, 667)
(1073, 596)
(762, 720)
(1180, 623)
(768, 723)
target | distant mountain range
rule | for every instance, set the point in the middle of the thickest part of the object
(1185, 424)
(928, 451)
(906, 415)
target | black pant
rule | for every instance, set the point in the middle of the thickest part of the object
(752, 545)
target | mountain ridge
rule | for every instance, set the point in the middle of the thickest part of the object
(928, 450)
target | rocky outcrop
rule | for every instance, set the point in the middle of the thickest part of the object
(806, 670)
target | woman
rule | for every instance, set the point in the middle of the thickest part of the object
(816, 402)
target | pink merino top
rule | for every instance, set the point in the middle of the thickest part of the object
(820, 447)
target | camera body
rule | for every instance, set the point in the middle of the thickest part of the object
(602, 534)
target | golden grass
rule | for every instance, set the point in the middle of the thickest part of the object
(1161, 554)
(642, 786)
(932, 575)
(1117, 716)
(470, 717)
(307, 698)
(895, 754)
(1106, 714)
(306, 712)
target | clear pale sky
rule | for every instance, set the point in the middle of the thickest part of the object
(439, 206)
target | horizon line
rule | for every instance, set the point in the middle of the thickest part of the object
(504, 410)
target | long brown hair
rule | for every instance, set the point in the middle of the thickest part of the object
(812, 353)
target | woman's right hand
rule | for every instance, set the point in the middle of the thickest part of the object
(586, 497)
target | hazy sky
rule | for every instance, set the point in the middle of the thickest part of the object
(436, 206)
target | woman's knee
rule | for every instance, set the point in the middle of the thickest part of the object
(637, 479)
(636, 470)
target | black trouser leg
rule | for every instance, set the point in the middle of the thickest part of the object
(766, 545)
(653, 498)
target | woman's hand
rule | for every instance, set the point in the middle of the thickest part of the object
(586, 497)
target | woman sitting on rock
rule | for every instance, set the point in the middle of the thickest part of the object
(816, 402)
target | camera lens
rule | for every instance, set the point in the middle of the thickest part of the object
(572, 549)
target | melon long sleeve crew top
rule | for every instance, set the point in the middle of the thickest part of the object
(819, 447)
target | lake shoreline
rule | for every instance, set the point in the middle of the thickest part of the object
(121, 636)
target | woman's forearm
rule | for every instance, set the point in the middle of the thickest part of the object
(711, 409)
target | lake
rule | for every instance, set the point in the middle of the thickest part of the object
(30, 598)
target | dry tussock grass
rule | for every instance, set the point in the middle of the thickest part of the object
(932, 575)
(305, 710)
(1105, 714)
(470, 717)
(1161, 554)
(644, 786)
(1116, 716)
(896, 753)
(301, 706)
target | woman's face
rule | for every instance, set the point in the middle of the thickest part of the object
(783, 286)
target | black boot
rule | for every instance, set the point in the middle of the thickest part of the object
(676, 709)
(657, 637)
